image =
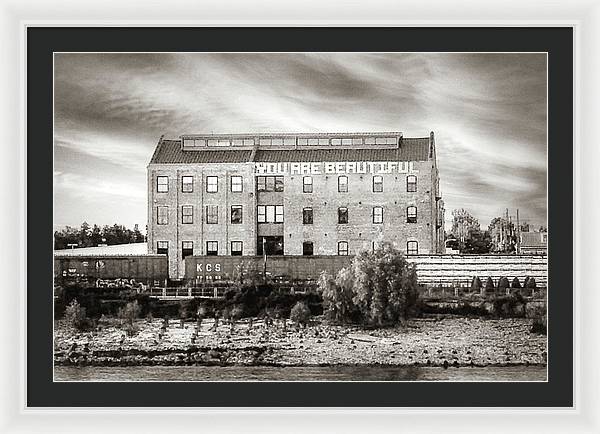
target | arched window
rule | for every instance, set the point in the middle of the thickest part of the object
(411, 214)
(343, 248)
(411, 183)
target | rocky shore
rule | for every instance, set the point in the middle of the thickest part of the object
(434, 341)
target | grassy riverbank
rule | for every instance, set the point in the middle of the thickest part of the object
(429, 341)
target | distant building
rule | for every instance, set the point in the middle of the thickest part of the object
(293, 194)
(534, 243)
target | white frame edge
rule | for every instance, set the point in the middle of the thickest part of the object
(584, 15)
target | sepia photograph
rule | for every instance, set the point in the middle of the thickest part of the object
(300, 217)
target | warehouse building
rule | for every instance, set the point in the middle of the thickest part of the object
(293, 194)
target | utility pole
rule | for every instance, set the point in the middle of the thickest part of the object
(518, 234)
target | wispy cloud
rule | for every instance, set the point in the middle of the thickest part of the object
(488, 112)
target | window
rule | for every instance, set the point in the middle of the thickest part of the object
(162, 247)
(212, 184)
(342, 184)
(236, 248)
(411, 183)
(307, 248)
(377, 184)
(162, 184)
(343, 248)
(279, 183)
(237, 185)
(411, 214)
(187, 249)
(187, 214)
(342, 216)
(412, 248)
(269, 183)
(212, 248)
(307, 184)
(270, 214)
(307, 216)
(279, 214)
(187, 184)
(162, 215)
(377, 215)
(261, 214)
(212, 214)
(236, 214)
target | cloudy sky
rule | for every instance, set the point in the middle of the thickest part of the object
(488, 112)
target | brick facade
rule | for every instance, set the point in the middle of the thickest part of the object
(393, 161)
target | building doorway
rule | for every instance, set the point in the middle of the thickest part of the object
(271, 245)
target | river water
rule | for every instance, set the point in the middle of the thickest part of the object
(312, 373)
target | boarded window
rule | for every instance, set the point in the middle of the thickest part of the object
(162, 215)
(212, 214)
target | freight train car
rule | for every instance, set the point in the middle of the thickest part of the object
(138, 272)
(199, 269)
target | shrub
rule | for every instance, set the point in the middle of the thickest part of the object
(476, 284)
(515, 283)
(129, 313)
(503, 283)
(300, 313)
(237, 312)
(530, 283)
(489, 285)
(75, 315)
(337, 294)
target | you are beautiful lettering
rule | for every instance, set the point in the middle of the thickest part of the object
(320, 168)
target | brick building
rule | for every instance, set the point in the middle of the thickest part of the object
(293, 194)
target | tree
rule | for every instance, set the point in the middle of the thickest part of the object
(76, 316)
(300, 313)
(463, 224)
(476, 284)
(130, 312)
(385, 285)
(337, 294)
(489, 285)
(478, 242)
(503, 283)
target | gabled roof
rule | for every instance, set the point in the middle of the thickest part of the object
(171, 152)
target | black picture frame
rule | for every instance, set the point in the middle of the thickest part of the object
(43, 41)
